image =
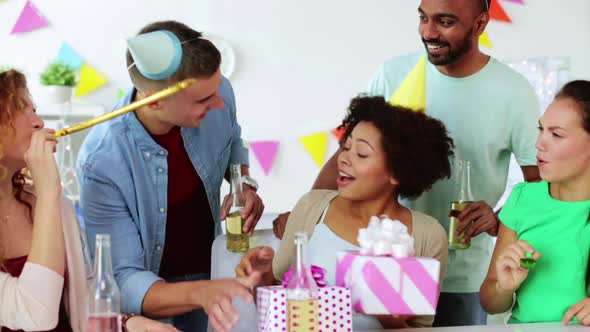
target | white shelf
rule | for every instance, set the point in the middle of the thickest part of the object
(75, 110)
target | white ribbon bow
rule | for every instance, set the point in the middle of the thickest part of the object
(386, 237)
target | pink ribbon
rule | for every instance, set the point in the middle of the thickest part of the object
(318, 274)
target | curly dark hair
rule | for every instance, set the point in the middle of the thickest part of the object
(417, 147)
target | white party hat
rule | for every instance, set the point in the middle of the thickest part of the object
(157, 55)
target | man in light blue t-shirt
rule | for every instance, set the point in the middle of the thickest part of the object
(490, 112)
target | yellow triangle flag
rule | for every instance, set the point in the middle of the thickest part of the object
(412, 92)
(484, 40)
(316, 145)
(90, 80)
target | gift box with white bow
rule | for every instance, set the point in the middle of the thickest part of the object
(383, 276)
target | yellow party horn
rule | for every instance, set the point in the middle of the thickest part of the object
(128, 108)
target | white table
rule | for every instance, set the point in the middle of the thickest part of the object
(537, 327)
(223, 264)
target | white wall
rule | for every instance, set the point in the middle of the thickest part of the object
(298, 62)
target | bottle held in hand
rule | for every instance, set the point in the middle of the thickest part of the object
(463, 199)
(237, 240)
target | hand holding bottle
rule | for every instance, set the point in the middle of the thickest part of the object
(477, 218)
(509, 273)
(237, 239)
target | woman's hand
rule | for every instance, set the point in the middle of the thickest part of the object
(41, 162)
(581, 311)
(394, 321)
(509, 273)
(258, 259)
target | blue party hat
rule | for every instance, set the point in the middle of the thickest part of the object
(157, 55)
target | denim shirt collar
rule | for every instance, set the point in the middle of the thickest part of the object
(141, 136)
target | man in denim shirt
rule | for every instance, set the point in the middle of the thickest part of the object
(151, 179)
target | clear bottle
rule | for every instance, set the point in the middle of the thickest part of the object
(237, 240)
(302, 293)
(104, 298)
(463, 198)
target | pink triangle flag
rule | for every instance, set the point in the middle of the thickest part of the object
(265, 152)
(30, 19)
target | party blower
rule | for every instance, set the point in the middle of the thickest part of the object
(128, 108)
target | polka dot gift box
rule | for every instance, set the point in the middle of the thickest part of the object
(335, 309)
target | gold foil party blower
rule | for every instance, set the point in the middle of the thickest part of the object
(128, 108)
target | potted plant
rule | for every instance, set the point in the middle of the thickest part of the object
(60, 79)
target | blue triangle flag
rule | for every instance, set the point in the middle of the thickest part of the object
(70, 57)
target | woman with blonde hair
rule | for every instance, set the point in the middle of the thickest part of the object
(42, 269)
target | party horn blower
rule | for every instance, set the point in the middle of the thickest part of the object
(128, 108)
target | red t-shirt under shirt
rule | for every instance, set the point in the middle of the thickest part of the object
(189, 225)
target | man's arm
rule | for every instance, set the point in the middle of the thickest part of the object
(328, 175)
(166, 299)
(325, 180)
(531, 173)
(214, 296)
(480, 217)
(143, 292)
(104, 211)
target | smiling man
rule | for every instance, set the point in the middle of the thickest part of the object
(490, 112)
(151, 179)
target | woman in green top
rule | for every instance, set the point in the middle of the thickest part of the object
(548, 221)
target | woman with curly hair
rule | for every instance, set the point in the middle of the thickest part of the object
(42, 269)
(386, 152)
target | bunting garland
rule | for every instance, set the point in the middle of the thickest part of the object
(412, 91)
(90, 80)
(484, 40)
(317, 146)
(338, 132)
(265, 152)
(68, 56)
(497, 13)
(30, 19)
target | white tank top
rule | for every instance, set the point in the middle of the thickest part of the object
(321, 251)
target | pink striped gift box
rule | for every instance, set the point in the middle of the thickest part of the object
(383, 285)
(335, 310)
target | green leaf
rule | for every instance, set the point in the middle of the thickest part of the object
(57, 73)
